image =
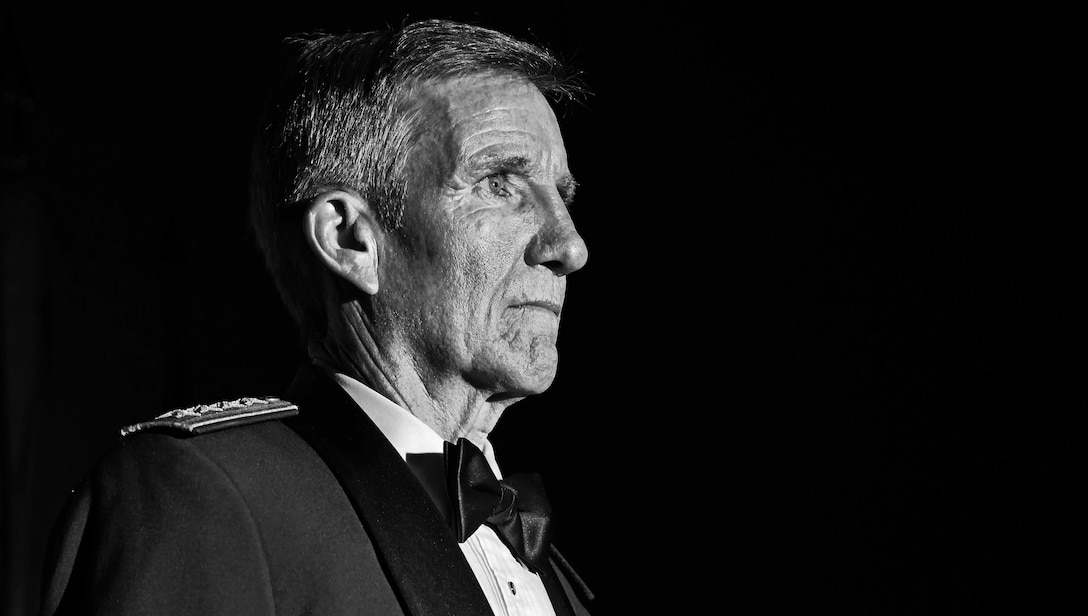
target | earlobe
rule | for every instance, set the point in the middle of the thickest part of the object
(343, 233)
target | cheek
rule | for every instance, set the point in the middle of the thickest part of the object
(457, 278)
(499, 239)
(484, 247)
(475, 276)
(493, 252)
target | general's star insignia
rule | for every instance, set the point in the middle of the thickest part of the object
(216, 416)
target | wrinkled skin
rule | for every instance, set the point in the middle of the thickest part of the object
(474, 284)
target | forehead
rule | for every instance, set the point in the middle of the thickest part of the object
(487, 112)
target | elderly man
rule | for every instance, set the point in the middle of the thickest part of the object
(410, 195)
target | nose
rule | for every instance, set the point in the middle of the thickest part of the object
(557, 244)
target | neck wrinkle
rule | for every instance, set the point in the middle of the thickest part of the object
(452, 410)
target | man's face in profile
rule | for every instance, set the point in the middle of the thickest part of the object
(478, 280)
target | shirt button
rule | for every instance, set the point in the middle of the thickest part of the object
(513, 590)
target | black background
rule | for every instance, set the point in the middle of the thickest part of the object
(803, 366)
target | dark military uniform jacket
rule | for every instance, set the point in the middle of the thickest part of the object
(314, 513)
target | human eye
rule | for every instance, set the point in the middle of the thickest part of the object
(497, 185)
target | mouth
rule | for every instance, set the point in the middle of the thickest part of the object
(540, 304)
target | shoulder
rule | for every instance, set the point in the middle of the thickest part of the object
(239, 455)
(254, 477)
(206, 438)
(238, 503)
(237, 451)
(168, 510)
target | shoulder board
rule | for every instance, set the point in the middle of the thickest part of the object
(205, 418)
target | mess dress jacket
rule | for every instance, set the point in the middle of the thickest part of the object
(316, 514)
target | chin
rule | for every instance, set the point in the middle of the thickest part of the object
(540, 384)
(518, 377)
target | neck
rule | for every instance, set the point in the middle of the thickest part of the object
(450, 406)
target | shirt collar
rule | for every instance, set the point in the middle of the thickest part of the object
(406, 432)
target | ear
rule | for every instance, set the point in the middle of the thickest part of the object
(342, 231)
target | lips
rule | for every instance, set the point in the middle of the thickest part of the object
(545, 304)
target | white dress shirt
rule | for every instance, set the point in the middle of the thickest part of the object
(510, 587)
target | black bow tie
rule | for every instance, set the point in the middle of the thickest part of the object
(461, 483)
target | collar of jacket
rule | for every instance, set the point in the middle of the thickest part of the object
(422, 561)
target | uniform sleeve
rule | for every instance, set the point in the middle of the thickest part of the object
(157, 528)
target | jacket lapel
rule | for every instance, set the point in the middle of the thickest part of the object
(424, 565)
(560, 603)
(564, 584)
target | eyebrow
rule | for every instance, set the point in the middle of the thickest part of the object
(503, 162)
(567, 185)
